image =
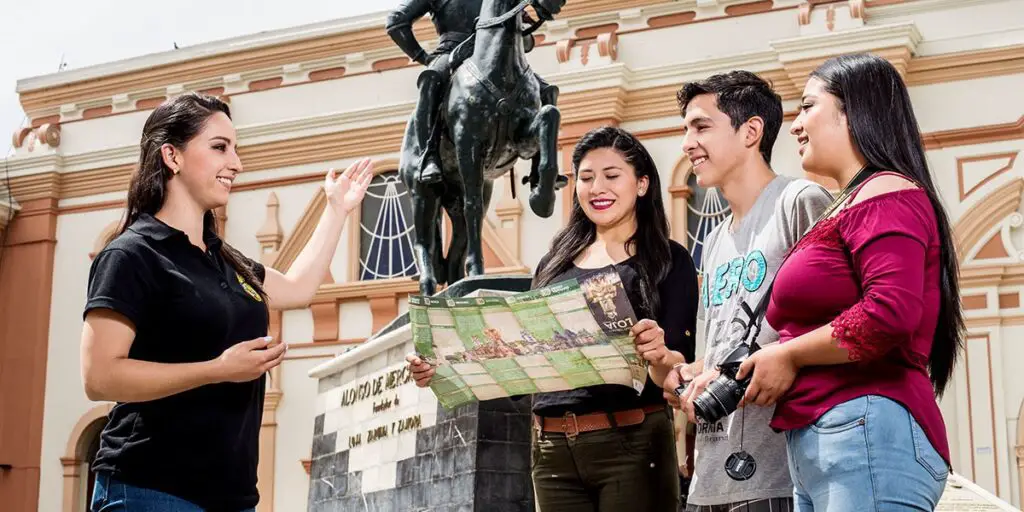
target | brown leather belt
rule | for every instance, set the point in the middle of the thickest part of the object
(571, 425)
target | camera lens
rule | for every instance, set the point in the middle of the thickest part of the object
(718, 400)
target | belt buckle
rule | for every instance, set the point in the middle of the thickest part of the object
(565, 426)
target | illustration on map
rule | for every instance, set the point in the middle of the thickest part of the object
(567, 335)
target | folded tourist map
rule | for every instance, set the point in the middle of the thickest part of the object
(567, 335)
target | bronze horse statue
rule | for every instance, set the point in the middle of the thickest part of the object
(491, 117)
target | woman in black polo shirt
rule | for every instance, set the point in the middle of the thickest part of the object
(176, 321)
(605, 447)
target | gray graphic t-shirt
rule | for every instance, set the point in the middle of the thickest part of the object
(739, 263)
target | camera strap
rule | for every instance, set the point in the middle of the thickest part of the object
(741, 465)
(757, 315)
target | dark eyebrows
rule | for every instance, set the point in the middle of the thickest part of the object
(606, 168)
(220, 137)
(699, 119)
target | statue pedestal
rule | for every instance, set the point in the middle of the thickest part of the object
(382, 444)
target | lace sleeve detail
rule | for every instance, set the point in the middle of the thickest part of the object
(890, 240)
(855, 331)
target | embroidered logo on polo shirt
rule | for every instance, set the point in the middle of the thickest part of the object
(248, 288)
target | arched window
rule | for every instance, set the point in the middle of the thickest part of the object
(90, 457)
(385, 225)
(705, 209)
(83, 444)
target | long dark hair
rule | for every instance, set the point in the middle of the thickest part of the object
(650, 242)
(884, 129)
(176, 122)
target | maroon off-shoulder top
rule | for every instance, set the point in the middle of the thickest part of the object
(872, 272)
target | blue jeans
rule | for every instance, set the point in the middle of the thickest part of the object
(112, 495)
(867, 454)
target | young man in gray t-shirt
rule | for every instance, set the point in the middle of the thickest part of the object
(731, 122)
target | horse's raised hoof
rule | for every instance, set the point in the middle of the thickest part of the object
(430, 175)
(543, 205)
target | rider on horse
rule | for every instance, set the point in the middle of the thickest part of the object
(455, 22)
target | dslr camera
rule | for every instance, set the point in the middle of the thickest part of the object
(723, 394)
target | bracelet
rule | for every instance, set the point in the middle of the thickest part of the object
(677, 365)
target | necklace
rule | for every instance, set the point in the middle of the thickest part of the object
(859, 178)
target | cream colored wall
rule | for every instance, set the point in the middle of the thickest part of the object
(105, 133)
(65, 399)
(535, 232)
(1013, 396)
(295, 417)
(375, 98)
(318, 98)
(981, 429)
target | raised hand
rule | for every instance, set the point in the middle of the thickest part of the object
(345, 192)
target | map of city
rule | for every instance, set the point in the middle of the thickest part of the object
(568, 335)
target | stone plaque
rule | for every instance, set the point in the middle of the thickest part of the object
(382, 444)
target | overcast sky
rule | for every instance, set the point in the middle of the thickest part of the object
(36, 36)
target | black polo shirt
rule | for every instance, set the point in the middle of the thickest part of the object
(187, 306)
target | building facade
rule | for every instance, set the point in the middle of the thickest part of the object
(318, 96)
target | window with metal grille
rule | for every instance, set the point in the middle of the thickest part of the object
(705, 209)
(386, 224)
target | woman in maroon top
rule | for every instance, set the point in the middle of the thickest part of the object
(867, 305)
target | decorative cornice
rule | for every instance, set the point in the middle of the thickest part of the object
(605, 104)
(677, 73)
(991, 275)
(646, 93)
(387, 139)
(51, 184)
(863, 39)
(356, 46)
(309, 53)
(356, 290)
(327, 123)
(45, 135)
(271, 399)
(799, 56)
(877, 14)
(7, 209)
(982, 63)
(974, 135)
(981, 322)
(330, 146)
(616, 75)
(233, 58)
(351, 42)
